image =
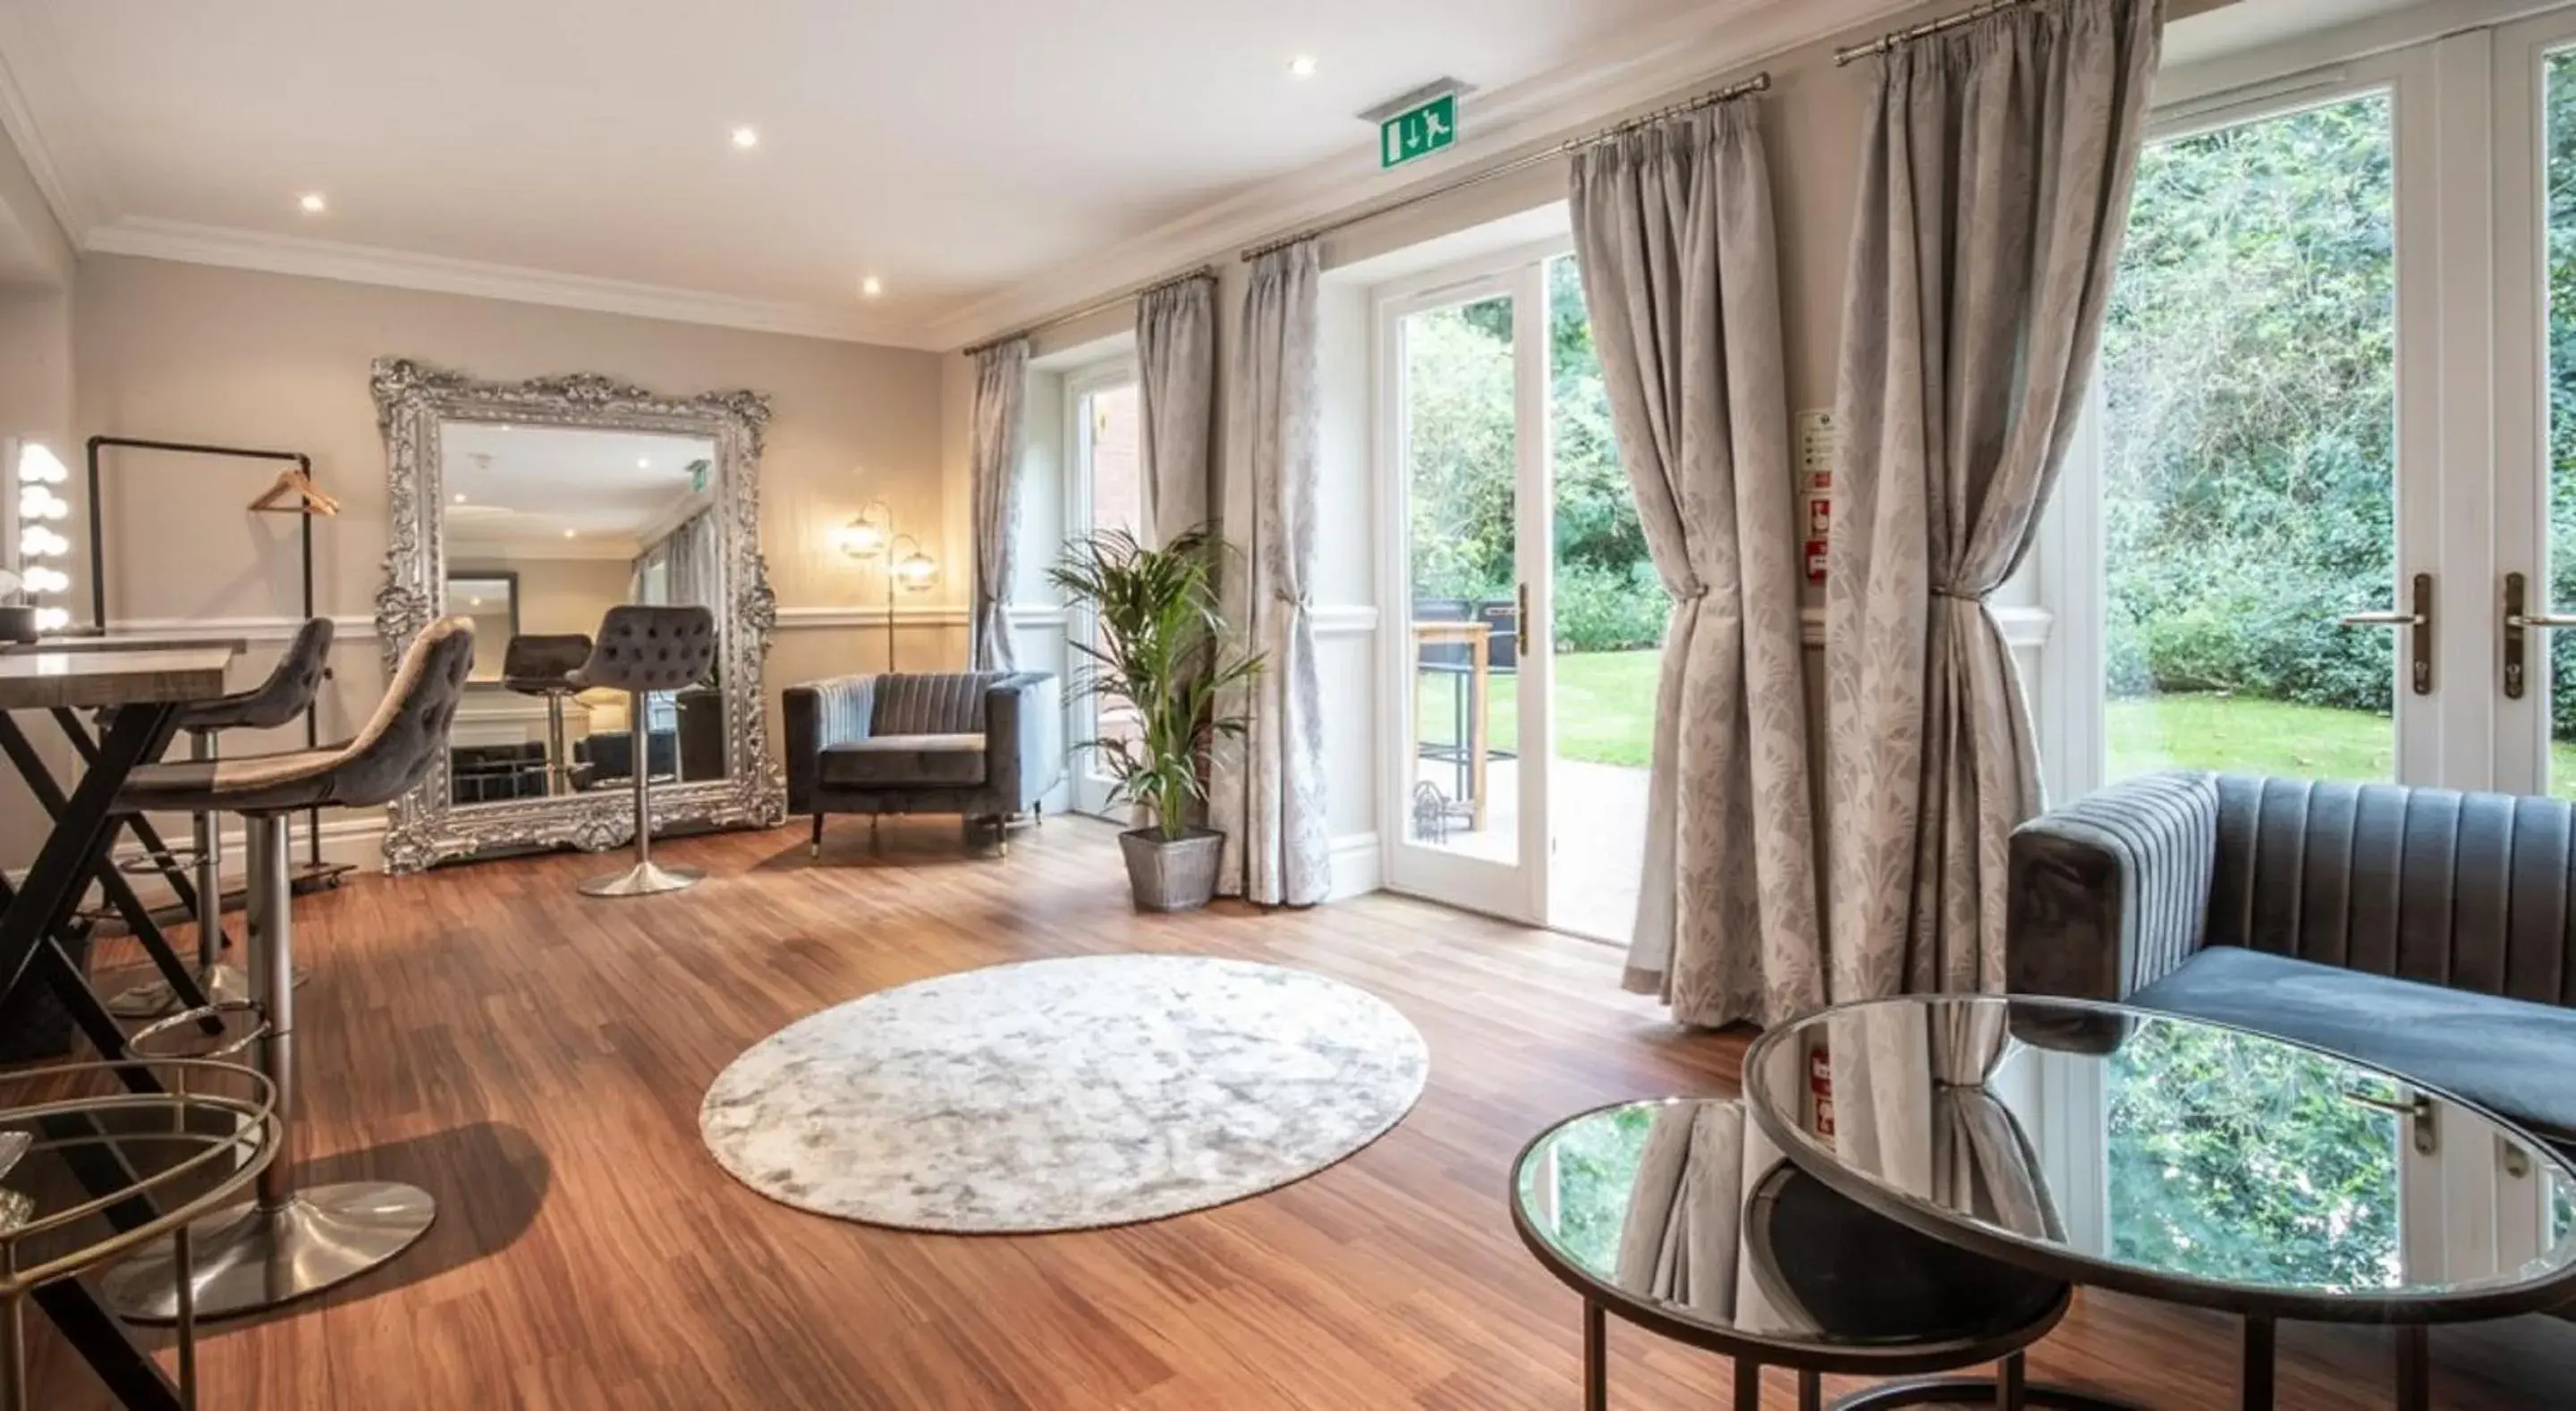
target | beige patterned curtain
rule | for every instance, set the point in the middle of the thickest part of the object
(1176, 388)
(999, 429)
(1673, 228)
(1268, 795)
(1995, 180)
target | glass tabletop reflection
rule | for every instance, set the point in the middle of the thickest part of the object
(2171, 1157)
(1681, 1210)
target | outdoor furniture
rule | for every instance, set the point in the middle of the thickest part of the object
(1472, 749)
(2423, 930)
(982, 745)
(1627, 1205)
(2073, 1139)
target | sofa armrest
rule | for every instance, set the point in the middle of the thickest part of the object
(2109, 894)
(820, 714)
(1024, 739)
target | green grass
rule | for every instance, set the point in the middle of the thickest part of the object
(1605, 707)
(2249, 736)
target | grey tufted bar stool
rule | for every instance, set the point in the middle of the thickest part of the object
(641, 651)
(288, 1242)
(286, 693)
(543, 665)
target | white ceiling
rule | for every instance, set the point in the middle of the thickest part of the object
(954, 148)
(525, 486)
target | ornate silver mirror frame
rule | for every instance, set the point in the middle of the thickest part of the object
(412, 401)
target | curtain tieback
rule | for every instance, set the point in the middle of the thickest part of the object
(1956, 596)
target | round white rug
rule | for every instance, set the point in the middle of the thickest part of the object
(1064, 1094)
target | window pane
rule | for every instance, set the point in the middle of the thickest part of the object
(1461, 468)
(2248, 498)
(2558, 649)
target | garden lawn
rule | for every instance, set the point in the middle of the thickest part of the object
(1605, 707)
(2249, 736)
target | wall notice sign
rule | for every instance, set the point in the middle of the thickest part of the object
(1820, 446)
(1418, 131)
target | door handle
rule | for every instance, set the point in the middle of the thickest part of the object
(1520, 624)
(2519, 623)
(2419, 621)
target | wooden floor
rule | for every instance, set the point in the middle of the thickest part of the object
(536, 1058)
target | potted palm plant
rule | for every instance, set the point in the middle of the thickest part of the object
(1158, 649)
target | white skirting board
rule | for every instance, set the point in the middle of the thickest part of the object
(1359, 866)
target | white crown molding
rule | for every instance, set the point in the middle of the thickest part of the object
(498, 553)
(1649, 64)
(25, 53)
(188, 243)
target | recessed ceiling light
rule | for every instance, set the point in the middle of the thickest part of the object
(871, 286)
(312, 203)
(505, 426)
(1303, 66)
(642, 463)
(567, 533)
(474, 602)
(460, 499)
(746, 138)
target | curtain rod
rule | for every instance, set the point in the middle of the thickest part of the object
(1897, 39)
(1759, 83)
(1095, 307)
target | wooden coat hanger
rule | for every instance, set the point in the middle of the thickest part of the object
(308, 497)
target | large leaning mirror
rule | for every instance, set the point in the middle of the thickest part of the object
(533, 508)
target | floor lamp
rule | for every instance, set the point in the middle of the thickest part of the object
(872, 537)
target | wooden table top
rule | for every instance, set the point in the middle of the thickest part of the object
(1443, 629)
(43, 680)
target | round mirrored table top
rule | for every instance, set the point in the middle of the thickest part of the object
(1678, 1214)
(2171, 1157)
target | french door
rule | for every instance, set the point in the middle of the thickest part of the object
(1523, 624)
(1104, 491)
(2323, 514)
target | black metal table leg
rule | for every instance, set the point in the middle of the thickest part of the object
(2254, 1381)
(1596, 1357)
(1811, 1392)
(72, 854)
(120, 893)
(1748, 1384)
(176, 876)
(2415, 1369)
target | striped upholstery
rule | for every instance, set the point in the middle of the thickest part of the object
(845, 708)
(2466, 891)
(2119, 882)
(950, 704)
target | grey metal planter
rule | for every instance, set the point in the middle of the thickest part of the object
(1171, 874)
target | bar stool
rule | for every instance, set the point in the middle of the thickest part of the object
(643, 650)
(286, 693)
(287, 1242)
(542, 665)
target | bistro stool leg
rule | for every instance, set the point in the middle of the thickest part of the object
(2255, 1380)
(223, 983)
(286, 1242)
(1748, 1384)
(1811, 1392)
(647, 877)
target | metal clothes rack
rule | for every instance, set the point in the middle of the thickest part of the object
(315, 873)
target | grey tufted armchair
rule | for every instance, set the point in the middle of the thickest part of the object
(982, 745)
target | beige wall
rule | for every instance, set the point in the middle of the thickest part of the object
(228, 356)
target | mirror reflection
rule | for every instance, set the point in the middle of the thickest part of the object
(545, 530)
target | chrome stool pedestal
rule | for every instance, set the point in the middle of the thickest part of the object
(286, 1242)
(642, 650)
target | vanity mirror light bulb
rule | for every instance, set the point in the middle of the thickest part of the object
(37, 502)
(38, 465)
(38, 542)
(41, 579)
(53, 619)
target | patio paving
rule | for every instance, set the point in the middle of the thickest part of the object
(1599, 846)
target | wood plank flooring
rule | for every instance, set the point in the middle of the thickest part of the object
(535, 1058)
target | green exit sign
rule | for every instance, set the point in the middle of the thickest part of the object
(1418, 131)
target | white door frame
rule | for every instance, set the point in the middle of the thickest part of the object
(2443, 439)
(1089, 789)
(1517, 891)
